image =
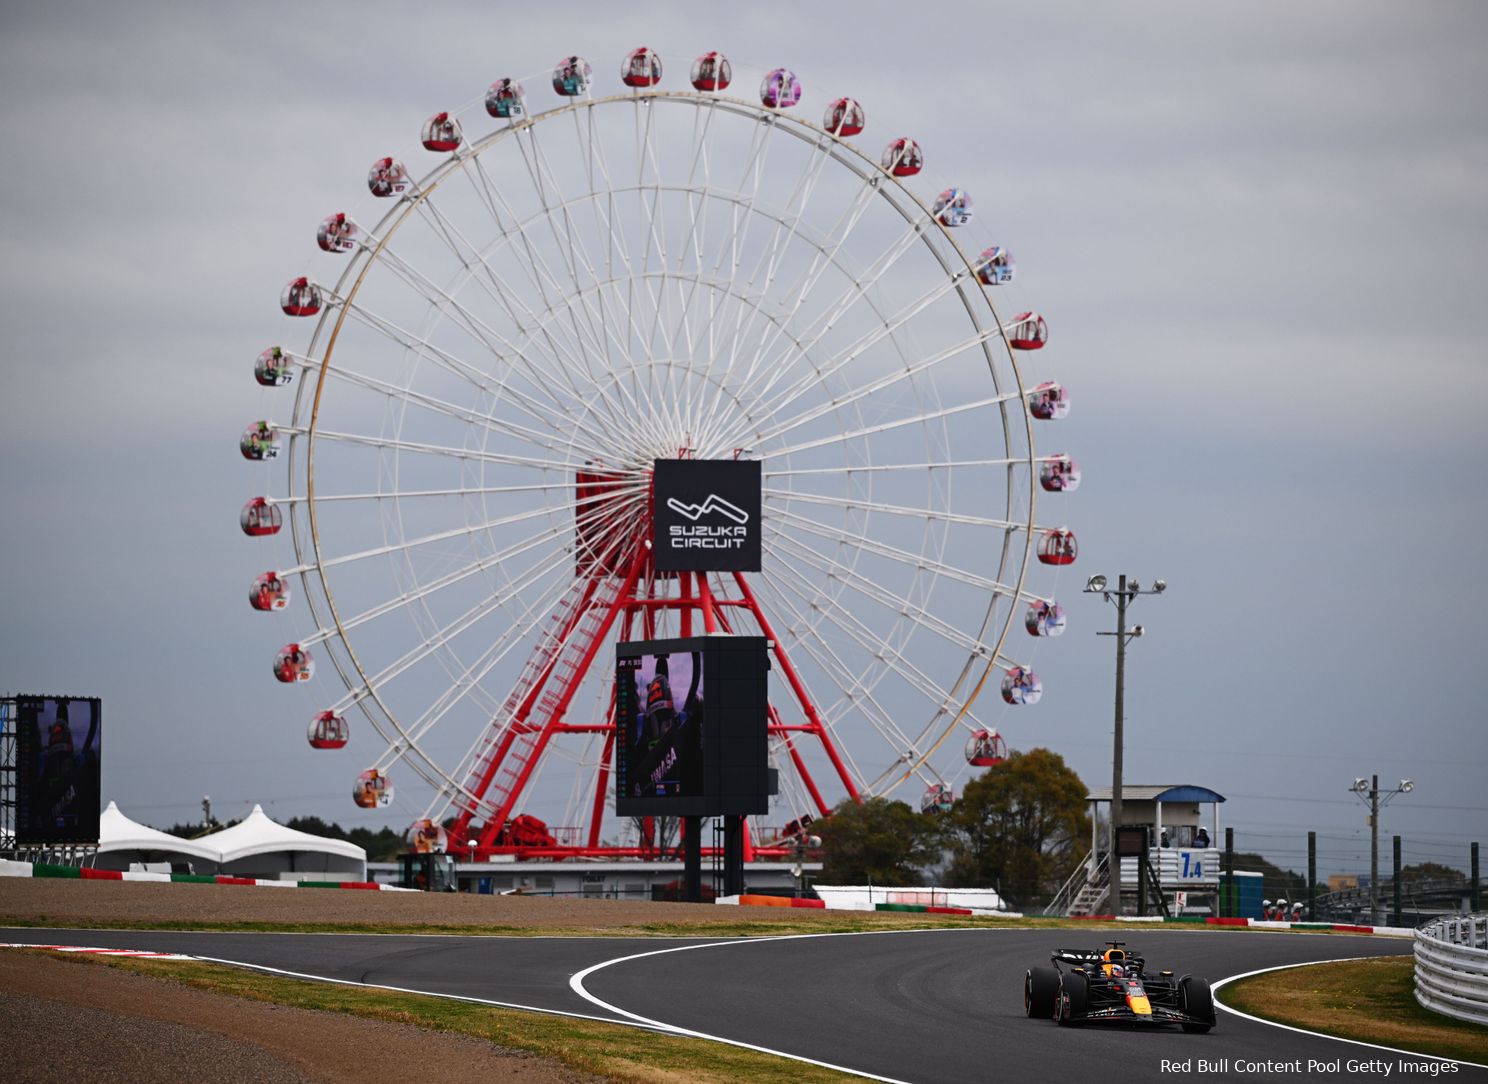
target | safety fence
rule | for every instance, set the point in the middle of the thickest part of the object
(1452, 967)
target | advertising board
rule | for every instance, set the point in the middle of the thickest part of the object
(706, 515)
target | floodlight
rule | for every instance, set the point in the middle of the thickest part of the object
(1160, 586)
(1360, 786)
(1095, 583)
(1407, 785)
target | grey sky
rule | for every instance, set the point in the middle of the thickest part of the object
(1257, 233)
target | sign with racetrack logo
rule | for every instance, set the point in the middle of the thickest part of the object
(706, 515)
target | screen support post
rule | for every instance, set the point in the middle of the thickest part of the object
(733, 854)
(692, 859)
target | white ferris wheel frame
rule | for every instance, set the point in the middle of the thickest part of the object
(988, 333)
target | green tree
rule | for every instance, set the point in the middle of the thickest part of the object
(1430, 871)
(1018, 827)
(877, 842)
(1276, 883)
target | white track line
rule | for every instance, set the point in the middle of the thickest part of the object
(1321, 1035)
(421, 993)
(577, 985)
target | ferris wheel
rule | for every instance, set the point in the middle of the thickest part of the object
(507, 340)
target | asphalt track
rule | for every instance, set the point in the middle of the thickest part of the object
(921, 1006)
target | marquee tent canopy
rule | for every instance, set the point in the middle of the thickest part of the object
(258, 846)
(122, 841)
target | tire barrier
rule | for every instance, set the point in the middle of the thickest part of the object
(1452, 967)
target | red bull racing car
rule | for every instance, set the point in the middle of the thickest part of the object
(1113, 984)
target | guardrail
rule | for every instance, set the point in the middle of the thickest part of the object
(1452, 967)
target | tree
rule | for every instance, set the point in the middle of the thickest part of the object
(1276, 883)
(1430, 871)
(1017, 827)
(877, 842)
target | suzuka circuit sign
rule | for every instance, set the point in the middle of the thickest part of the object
(706, 516)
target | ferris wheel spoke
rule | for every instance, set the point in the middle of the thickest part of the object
(823, 656)
(444, 536)
(650, 200)
(883, 653)
(872, 387)
(576, 255)
(449, 579)
(540, 438)
(445, 451)
(437, 639)
(508, 299)
(859, 289)
(473, 675)
(801, 290)
(867, 588)
(934, 514)
(519, 243)
(905, 557)
(855, 696)
(692, 247)
(732, 246)
(608, 226)
(830, 366)
(492, 340)
(568, 246)
(456, 366)
(786, 227)
(923, 467)
(640, 397)
(873, 430)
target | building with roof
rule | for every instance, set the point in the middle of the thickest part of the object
(1182, 856)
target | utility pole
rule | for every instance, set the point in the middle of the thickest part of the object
(1125, 592)
(1370, 794)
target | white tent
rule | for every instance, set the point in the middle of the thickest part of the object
(260, 847)
(122, 842)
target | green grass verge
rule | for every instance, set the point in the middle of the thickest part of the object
(612, 1051)
(1370, 1000)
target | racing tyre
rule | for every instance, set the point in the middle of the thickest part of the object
(1196, 1000)
(1040, 992)
(1069, 1011)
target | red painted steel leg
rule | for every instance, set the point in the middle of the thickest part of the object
(797, 687)
(565, 697)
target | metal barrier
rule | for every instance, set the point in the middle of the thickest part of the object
(1452, 967)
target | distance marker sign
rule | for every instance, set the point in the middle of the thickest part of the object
(706, 516)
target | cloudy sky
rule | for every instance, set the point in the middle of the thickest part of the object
(1257, 234)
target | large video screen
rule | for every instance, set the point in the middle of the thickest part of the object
(691, 718)
(57, 769)
(659, 709)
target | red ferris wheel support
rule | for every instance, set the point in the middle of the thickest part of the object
(616, 593)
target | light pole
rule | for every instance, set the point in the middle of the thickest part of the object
(1370, 794)
(1124, 593)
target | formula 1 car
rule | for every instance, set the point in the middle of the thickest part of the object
(1113, 984)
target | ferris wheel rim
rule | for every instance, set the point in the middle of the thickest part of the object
(823, 142)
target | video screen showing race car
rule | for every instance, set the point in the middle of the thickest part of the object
(659, 713)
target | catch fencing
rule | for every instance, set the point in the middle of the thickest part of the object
(1452, 967)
